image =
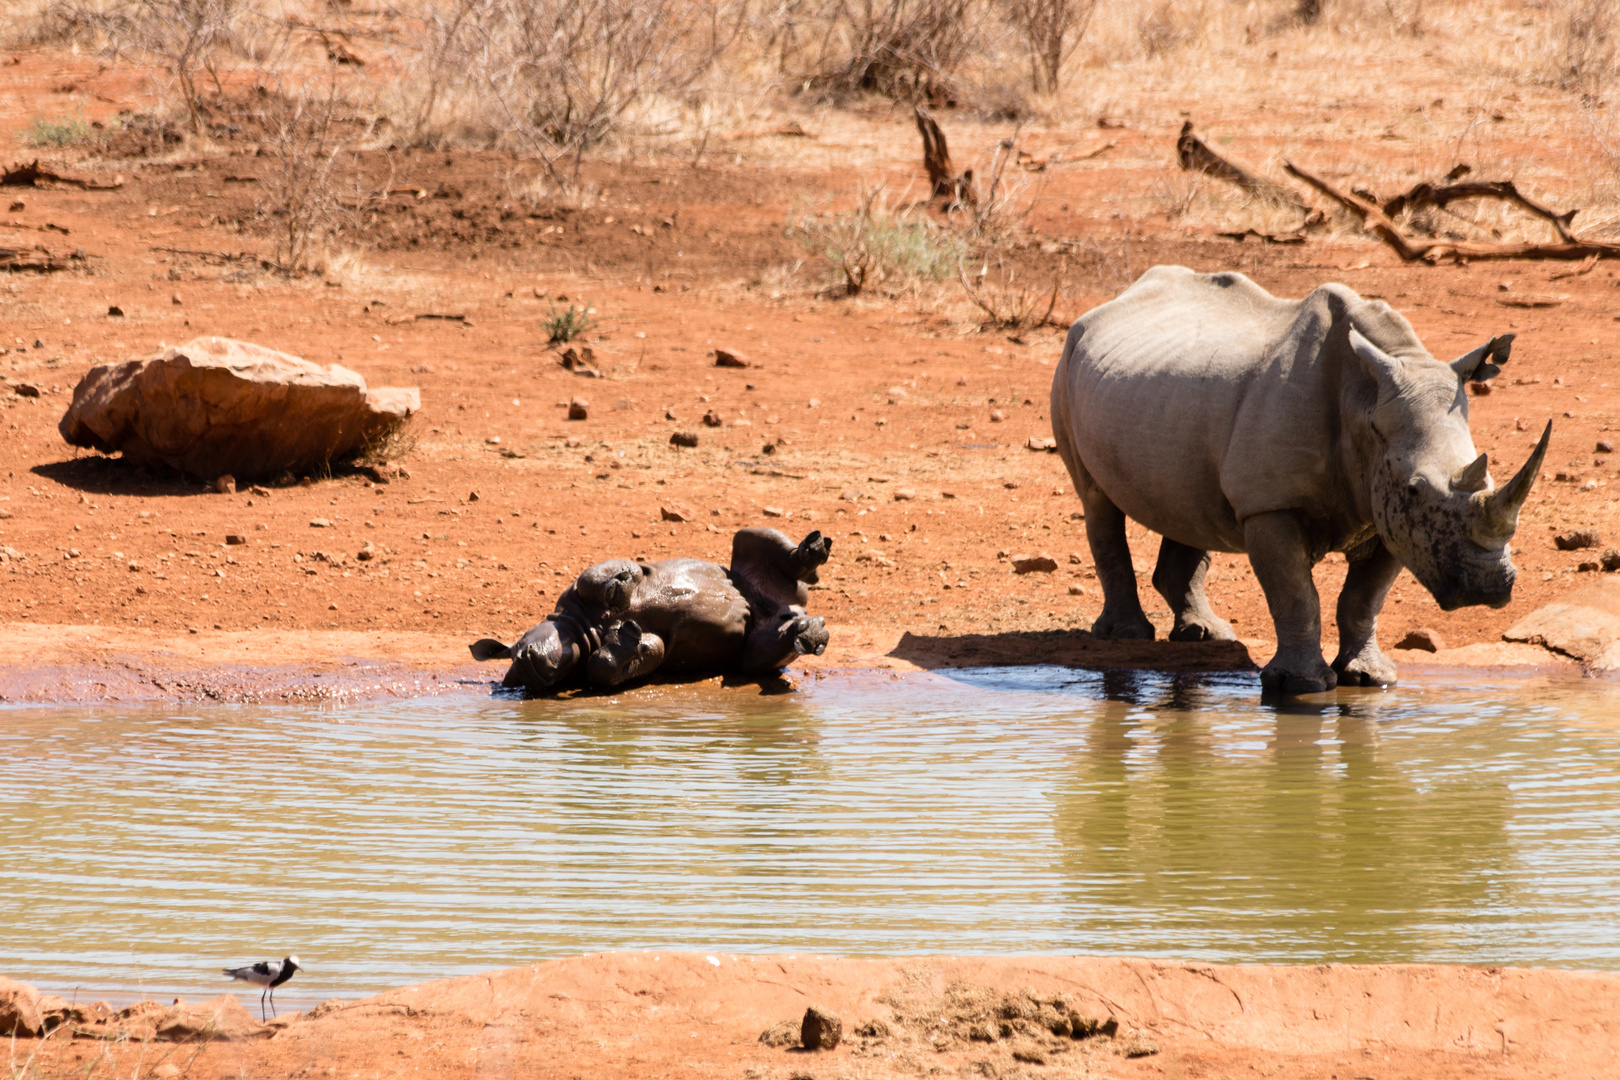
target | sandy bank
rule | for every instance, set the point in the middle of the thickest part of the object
(691, 1014)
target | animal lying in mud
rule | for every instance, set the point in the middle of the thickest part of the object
(624, 620)
(1226, 419)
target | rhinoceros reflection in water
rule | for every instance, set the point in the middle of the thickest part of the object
(623, 620)
(1225, 419)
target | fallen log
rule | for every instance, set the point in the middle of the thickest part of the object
(1269, 238)
(20, 261)
(1441, 195)
(31, 175)
(1195, 155)
(1375, 221)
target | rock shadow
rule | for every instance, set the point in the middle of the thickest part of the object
(1069, 648)
(109, 476)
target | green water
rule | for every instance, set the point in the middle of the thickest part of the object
(1007, 811)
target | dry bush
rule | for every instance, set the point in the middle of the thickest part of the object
(312, 191)
(559, 77)
(1010, 300)
(1170, 24)
(874, 244)
(189, 37)
(1586, 45)
(907, 49)
(1051, 30)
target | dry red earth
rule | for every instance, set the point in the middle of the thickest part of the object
(870, 419)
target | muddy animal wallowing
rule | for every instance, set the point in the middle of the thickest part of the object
(1225, 419)
(623, 620)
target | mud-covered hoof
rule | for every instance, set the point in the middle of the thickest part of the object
(1208, 628)
(813, 550)
(810, 636)
(1288, 678)
(1112, 628)
(1366, 670)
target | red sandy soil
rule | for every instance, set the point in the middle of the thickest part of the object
(648, 1015)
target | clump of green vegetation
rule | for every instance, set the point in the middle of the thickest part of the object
(68, 132)
(872, 244)
(563, 326)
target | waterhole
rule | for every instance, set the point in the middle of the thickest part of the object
(993, 811)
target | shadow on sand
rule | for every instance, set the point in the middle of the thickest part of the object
(1070, 648)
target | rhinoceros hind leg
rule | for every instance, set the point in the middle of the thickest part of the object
(1122, 615)
(627, 652)
(1179, 578)
(1360, 661)
(1281, 559)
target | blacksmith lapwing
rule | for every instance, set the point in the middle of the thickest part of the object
(268, 974)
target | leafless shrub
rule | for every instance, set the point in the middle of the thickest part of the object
(1166, 25)
(1009, 300)
(560, 76)
(910, 50)
(1051, 29)
(312, 191)
(1000, 203)
(187, 36)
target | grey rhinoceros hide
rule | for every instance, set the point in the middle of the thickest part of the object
(1227, 419)
(215, 406)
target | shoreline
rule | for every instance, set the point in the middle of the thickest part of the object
(703, 1014)
(70, 664)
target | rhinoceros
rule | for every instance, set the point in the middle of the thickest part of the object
(1227, 419)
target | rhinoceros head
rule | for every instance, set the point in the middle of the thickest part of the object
(1433, 501)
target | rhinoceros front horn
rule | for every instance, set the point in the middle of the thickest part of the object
(1502, 507)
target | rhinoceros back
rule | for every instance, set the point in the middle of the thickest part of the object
(1195, 400)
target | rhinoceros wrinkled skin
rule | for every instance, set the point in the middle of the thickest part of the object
(1226, 419)
(624, 620)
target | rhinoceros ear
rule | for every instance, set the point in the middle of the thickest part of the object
(1484, 362)
(490, 649)
(1379, 364)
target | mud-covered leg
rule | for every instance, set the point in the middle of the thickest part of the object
(627, 652)
(1179, 578)
(1280, 555)
(1360, 661)
(1122, 615)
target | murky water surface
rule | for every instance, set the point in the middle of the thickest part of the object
(1007, 811)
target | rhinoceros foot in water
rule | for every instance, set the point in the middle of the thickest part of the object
(1226, 419)
(624, 620)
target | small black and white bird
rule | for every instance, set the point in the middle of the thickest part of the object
(268, 974)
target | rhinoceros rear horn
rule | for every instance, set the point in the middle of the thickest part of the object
(1471, 477)
(1503, 505)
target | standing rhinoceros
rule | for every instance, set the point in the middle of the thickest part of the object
(1225, 419)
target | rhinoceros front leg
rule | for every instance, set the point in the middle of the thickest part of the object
(1122, 615)
(1179, 578)
(1360, 661)
(1280, 555)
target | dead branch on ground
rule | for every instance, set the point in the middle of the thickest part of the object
(1194, 155)
(32, 175)
(942, 177)
(1440, 195)
(1377, 222)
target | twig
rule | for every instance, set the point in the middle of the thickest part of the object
(789, 130)
(1270, 238)
(225, 255)
(30, 175)
(1195, 155)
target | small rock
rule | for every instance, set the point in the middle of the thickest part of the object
(320, 523)
(17, 205)
(222, 1020)
(472, 496)
(493, 440)
(996, 417)
(772, 511)
(1423, 638)
(367, 553)
(1588, 568)
(904, 494)
(1034, 564)
(820, 1030)
(115, 312)
(1604, 446)
(1037, 443)
(1029, 1053)
(1577, 539)
(571, 442)
(1610, 560)
(578, 409)
(23, 389)
(1077, 590)
(20, 1013)
(175, 300)
(784, 1034)
(1074, 558)
(683, 438)
(712, 419)
(729, 358)
(1479, 389)
(677, 512)
(234, 539)
(332, 606)
(4, 513)
(225, 485)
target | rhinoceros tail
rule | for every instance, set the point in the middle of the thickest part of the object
(490, 649)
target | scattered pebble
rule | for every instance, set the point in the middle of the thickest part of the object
(234, 539)
(1423, 638)
(1034, 564)
(712, 419)
(677, 512)
(730, 358)
(320, 523)
(996, 416)
(578, 409)
(683, 438)
(1604, 446)
(1577, 539)
(820, 1030)
(225, 485)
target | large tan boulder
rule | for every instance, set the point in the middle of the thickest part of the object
(215, 406)
(1584, 623)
